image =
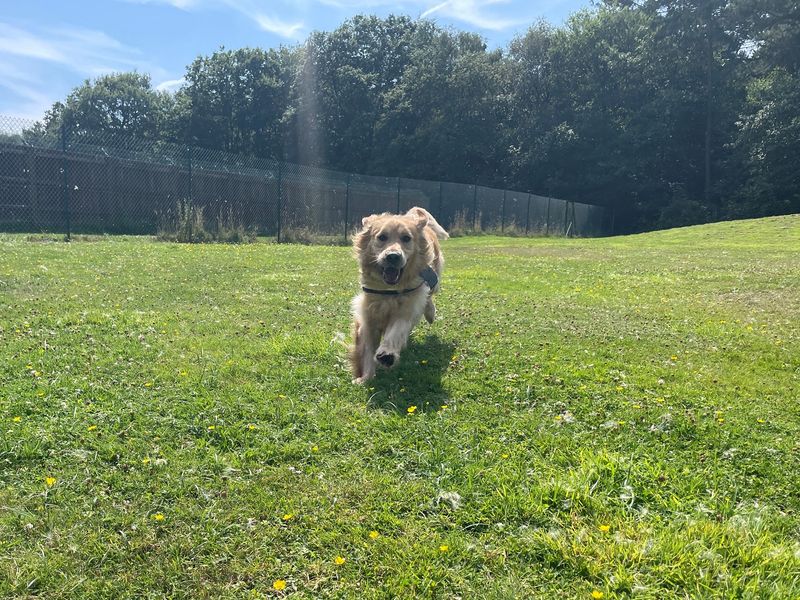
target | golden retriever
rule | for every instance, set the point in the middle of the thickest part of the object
(401, 263)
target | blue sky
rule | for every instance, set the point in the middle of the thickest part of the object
(49, 47)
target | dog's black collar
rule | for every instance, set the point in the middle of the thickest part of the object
(428, 275)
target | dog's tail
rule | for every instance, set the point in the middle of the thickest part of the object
(432, 223)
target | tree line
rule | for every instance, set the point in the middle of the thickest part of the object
(670, 111)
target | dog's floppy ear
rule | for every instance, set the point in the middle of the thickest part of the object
(361, 238)
(420, 216)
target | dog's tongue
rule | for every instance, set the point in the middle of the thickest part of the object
(391, 275)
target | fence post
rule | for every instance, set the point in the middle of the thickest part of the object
(398, 196)
(280, 198)
(503, 214)
(65, 195)
(33, 195)
(189, 197)
(528, 216)
(474, 204)
(566, 216)
(547, 218)
(347, 207)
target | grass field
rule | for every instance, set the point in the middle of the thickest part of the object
(588, 418)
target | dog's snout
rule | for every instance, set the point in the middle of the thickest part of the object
(394, 258)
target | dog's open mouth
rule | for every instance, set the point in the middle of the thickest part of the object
(391, 275)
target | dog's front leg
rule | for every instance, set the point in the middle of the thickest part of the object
(364, 355)
(394, 340)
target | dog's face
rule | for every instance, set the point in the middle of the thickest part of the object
(388, 244)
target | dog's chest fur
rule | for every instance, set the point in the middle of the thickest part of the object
(378, 310)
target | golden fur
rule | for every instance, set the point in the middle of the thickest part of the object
(392, 250)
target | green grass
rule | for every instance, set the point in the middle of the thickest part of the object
(647, 385)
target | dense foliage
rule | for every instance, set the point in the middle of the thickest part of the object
(671, 111)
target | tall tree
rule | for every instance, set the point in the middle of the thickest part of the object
(345, 77)
(237, 100)
(121, 104)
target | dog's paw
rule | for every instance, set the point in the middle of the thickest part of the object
(361, 380)
(387, 359)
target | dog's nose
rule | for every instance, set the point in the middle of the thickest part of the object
(394, 258)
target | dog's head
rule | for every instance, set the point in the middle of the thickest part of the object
(390, 246)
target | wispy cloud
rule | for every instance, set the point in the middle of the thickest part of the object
(31, 59)
(479, 13)
(84, 51)
(475, 12)
(170, 85)
(250, 9)
(30, 100)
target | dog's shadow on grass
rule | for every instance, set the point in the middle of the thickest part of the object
(416, 381)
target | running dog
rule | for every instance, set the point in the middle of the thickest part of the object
(401, 263)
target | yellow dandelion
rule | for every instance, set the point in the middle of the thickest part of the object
(279, 585)
(597, 594)
(444, 548)
(620, 388)
(637, 406)
(158, 517)
(411, 410)
(91, 428)
(374, 534)
(721, 420)
(605, 528)
(339, 560)
(423, 362)
(29, 366)
(212, 427)
(17, 419)
(40, 394)
(50, 481)
(672, 358)
(762, 421)
(146, 460)
(148, 384)
(251, 427)
(183, 373)
(315, 448)
(506, 455)
(288, 517)
(444, 406)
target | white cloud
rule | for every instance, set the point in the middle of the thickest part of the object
(474, 12)
(33, 63)
(83, 51)
(181, 4)
(251, 9)
(268, 23)
(31, 101)
(170, 85)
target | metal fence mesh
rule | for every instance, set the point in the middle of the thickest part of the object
(101, 183)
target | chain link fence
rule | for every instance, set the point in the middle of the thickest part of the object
(99, 183)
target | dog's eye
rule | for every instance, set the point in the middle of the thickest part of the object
(383, 237)
(406, 238)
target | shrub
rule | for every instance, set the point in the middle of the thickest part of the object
(187, 223)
